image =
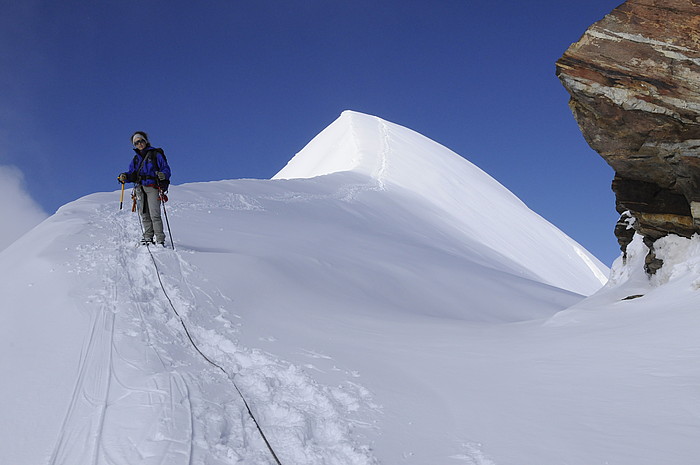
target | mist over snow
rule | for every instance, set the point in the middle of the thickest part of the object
(19, 211)
(380, 300)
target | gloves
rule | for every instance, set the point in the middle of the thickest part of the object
(122, 178)
(161, 175)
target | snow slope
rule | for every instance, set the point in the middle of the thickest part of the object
(471, 200)
(364, 320)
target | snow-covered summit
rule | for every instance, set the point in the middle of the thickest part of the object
(486, 212)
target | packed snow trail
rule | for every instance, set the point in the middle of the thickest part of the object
(127, 406)
(210, 361)
(144, 393)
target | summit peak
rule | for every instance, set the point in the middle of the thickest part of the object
(396, 158)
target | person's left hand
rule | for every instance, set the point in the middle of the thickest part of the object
(161, 175)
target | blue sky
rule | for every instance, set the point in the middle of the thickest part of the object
(233, 89)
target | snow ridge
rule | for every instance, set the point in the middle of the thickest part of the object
(340, 303)
(139, 395)
(486, 212)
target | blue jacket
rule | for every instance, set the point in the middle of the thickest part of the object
(144, 171)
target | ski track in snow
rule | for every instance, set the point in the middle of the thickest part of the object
(143, 395)
(126, 407)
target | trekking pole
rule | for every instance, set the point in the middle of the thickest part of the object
(121, 198)
(163, 199)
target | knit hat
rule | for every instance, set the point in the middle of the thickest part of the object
(138, 135)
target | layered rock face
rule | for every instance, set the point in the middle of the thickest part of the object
(634, 80)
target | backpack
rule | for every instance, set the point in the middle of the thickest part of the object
(154, 160)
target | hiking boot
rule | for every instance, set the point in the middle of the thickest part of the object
(147, 241)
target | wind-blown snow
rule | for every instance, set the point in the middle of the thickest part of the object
(362, 318)
(19, 210)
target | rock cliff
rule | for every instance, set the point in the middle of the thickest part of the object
(634, 80)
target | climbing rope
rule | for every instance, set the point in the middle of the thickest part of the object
(205, 357)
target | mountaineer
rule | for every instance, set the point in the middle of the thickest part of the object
(150, 173)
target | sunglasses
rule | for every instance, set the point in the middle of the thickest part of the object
(140, 141)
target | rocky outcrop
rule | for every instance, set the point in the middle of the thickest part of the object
(634, 80)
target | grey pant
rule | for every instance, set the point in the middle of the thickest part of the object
(149, 208)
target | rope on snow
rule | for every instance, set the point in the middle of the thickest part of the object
(187, 332)
(205, 357)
